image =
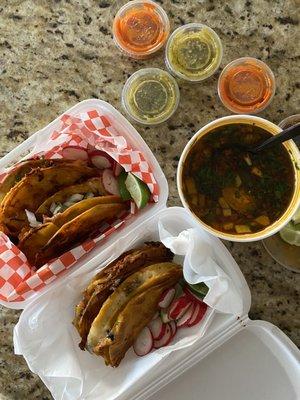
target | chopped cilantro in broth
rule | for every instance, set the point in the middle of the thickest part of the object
(232, 190)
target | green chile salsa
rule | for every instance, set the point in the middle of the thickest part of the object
(232, 190)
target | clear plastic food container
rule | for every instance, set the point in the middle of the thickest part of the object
(236, 359)
(193, 52)
(141, 28)
(150, 96)
(246, 86)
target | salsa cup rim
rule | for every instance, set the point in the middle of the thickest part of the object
(294, 155)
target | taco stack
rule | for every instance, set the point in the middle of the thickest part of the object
(122, 299)
(49, 206)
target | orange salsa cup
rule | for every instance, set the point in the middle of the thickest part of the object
(141, 28)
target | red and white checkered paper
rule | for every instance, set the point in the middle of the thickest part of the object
(19, 281)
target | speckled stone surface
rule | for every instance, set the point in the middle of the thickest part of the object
(55, 53)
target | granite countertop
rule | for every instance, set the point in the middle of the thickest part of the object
(56, 53)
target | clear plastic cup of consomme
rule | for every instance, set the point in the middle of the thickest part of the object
(193, 52)
(246, 86)
(150, 96)
(141, 28)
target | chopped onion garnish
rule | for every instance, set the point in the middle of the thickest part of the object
(32, 219)
(238, 181)
(74, 198)
(68, 204)
(53, 207)
(248, 160)
(57, 209)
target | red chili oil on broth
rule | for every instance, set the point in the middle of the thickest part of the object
(232, 190)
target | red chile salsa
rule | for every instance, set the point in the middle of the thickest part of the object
(234, 191)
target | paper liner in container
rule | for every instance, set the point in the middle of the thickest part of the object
(51, 350)
(92, 128)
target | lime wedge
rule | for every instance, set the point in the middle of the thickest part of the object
(291, 234)
(125, 195)
(296, 217)
(138, 190)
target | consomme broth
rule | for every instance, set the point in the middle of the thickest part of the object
(232, 190)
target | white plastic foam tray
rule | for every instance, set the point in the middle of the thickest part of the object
(247, 360)
(134, 139)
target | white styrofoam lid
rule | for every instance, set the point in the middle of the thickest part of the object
(257, 363)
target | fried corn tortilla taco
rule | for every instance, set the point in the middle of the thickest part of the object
(130, 322)
(92, 187)
(35, 188)
(77, 230)
(151, 276)
(33, 242)
(107, 280)
(23, 168)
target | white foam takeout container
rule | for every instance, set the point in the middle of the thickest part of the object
(237, 359)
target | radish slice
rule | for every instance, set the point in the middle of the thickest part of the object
(165, 340)
(179, 307)
(167, 298)
(198, 314)
(178, 290)
(156, 315)
(173, 327)
(192, 295)
(74, 153)
(184, 320)
(144, 343)
(90, 149)
(110, 183)
(101, 160)
(164, 315)
(157, 328)
(117, 169)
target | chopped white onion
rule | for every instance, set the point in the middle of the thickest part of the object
(32, 219)
(53, 207)
(68, 204)
(89, 195)
(57, 209)
(74, 198)
(248, 160)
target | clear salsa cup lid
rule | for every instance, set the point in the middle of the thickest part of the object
(141, 28)
(150, 96)
(246, 86)
(193, 52)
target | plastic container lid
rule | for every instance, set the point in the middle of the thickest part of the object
(150, 96)
(140, 28)
(193, 52)
(257, 363)
(246, 86)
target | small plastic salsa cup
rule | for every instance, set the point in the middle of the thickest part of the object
(246, 86)
(150, 96)
(193, 52)
(141, 28)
